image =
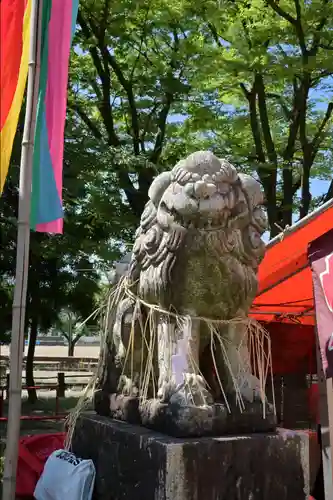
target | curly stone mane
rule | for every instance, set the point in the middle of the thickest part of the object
(198, 212)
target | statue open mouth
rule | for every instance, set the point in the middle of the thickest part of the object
(198, 220)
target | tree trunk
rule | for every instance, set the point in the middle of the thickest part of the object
(29, 370)
(329, 194)
(305, 192)
(288, 197)
(71, 346)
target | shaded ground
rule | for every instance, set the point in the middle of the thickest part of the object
(44, 406)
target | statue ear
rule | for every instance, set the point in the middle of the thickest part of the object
(158, 186)
(252, 188)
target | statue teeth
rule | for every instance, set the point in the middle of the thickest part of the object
(210, 189)
(199, 188)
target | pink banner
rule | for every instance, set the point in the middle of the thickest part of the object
(321, 261)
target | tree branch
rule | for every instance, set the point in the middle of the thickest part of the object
(299, 29)
(288, 152)
(246, 92)
(276, 7)
(109, 59)
(264, 175)
(326, 47)
(251, 97)
(297, 23)
(148, 121)
(265, 126)
(104, 106)
(85, 118)
(329, 194)
(161, 124)
(103, 60)
(127, 86)
(143, 37)
(323, 74)
(315, 144)
(319, 27)
(168, 99)
(306, 147)
(215, 34)
(282, 103)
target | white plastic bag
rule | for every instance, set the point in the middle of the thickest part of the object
(66, 476)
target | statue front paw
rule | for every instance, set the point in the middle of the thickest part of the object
(192, 392)
(250, 389)
(127, 387)
(166, 390)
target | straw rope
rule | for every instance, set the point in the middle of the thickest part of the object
(255, 337)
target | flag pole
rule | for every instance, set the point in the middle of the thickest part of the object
(22, 258)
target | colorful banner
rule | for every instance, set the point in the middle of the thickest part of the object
(15, 18)
(321, 261)
(58, 27)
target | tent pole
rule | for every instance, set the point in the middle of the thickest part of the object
(302, 222)
(22, 258)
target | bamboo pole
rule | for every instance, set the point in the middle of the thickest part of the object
(22, 258)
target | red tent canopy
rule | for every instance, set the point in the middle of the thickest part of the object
(285, 281)
(293, 348)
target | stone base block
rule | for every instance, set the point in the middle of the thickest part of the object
(135, 463)
(186, 421)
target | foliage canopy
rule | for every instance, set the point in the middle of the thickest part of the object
(152, 81)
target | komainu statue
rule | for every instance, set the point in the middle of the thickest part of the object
(181, 355)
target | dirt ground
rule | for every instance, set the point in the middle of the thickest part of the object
(44, 406)
(81, 351)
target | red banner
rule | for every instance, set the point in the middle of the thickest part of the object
(321, 261)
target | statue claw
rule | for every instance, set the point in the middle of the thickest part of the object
(192, 392)
(250, 389)
(127, 387)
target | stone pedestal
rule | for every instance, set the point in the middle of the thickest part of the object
(134, 463)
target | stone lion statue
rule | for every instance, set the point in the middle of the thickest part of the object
(177, 355)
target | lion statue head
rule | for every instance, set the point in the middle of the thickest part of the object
(198, 246)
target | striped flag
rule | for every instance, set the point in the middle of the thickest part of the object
(58, 27)
(14, 57)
